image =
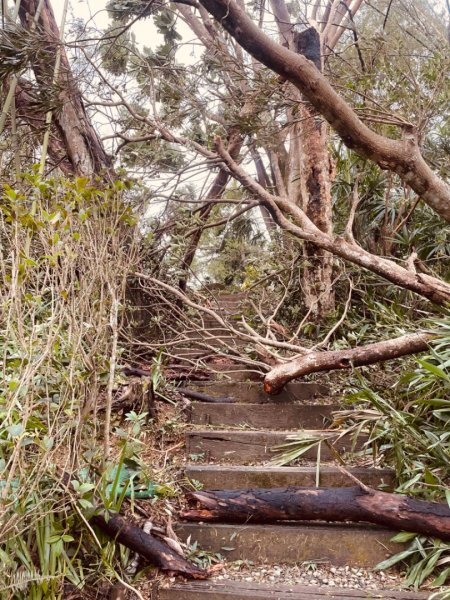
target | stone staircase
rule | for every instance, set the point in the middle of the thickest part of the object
(229, 446)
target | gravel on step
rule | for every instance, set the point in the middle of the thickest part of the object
(311, 574)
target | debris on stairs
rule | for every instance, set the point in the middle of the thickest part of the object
(228, 448)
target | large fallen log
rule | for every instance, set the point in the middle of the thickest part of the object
(320, 504)
(316, 361)
(147, 546)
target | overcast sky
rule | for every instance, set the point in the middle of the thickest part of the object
(93, 13)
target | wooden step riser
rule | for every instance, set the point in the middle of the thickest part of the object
(241, 590)
(253, 393)
(263, 416)
(232, 374)
(248, 447)
(238, 478)
(359, 546)
(229, 373)
(212, 333)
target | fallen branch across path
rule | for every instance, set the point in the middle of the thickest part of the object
(313, 362)
(147, 546)
(320, 504)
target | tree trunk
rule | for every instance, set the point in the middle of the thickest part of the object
(314, 175)
(314, 362)
(320, 504)
(27, 112)
(309, 182)
(317, 271)
(84, 148)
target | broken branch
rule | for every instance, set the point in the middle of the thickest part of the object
(315, 362)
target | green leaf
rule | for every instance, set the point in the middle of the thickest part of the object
(403, 537)
(393, 560)
(15, 430)
(441, 578)
(85, 487)
(435, 370)
(53, 539)
(447, 496)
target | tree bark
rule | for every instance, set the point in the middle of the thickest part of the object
(27, 112)
(309, 179)
(314, 174)
(320, 504)
(400, 156)
(147, 546)
(315, 362)
(317, 268)
(84, 148)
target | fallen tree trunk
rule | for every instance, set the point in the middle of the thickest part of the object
(320, 504)
(313, 362)
(147, 546)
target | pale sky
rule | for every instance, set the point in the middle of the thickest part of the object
(93, 13)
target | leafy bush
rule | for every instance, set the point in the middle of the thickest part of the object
(66, 250)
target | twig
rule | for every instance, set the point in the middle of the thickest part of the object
(359, 483)
(355, 199)
(114, 312)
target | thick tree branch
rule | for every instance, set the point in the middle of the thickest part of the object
(400, 156)
(293, 219)
(315, 362)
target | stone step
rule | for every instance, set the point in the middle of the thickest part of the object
(260, 416)
(244, 447)
(253, 393)
(338, 545)
(242, 477)
(241, 590)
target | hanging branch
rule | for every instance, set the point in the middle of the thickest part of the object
(400, 156)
